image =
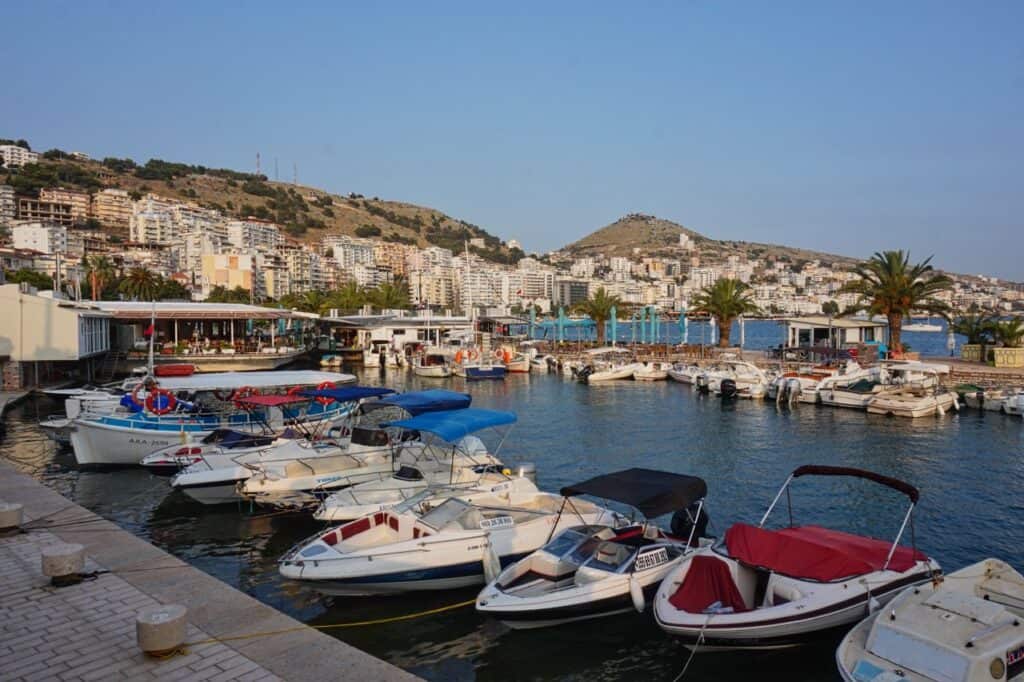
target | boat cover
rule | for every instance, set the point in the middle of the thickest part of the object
(433, 400)
(815, 553)
(707, 581)
(652, 492)
(455, 424)
(347, 394)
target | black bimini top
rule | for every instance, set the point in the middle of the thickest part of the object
(652, 492)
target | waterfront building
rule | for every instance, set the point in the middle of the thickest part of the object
(398, 330)
(12, 156)
(45, 211)
(113, 209)
(814, 331)
(46, 338)
(78, 201)
(36, 236)
(8, 205)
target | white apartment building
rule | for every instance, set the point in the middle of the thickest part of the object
(12, 155)
(78, 201)
(255, 234)
(39, 237)
(113, 208)
(188, 253)
(8, 206)
(435, 288)
(369, 275)
(348, 251)
(620, 265)
(702, 277)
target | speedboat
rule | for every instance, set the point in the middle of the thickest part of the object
(607, 364)
(734, 378)
(432, 366)
(458, 468)
(963, 627)
(992, 399)
(369, 455)
(455, 544)
(220, 444)
(762, 588)
(541, 363)
(801, 386)
(1014, 404)
(913, 401)
(594, 571)
(652, 371)
(684, 374)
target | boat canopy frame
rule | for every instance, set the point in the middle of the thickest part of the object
(651, 492)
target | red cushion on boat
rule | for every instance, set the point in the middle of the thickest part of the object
(815, 553)
(707, 581)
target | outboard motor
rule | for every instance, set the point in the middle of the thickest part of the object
(728, 389)
(980, 396)
(583, 373)
(793, 390)
(685, 520)
(526, 470)
(701, 382)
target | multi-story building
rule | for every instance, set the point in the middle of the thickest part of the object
(8, 205)
(152, 221)
(702, 277)
(392, 256)
(569, 292)
(41, 237)
(348, 251)
(369, 275)
(230, 270)
(253, 233)
(78, 201)
(113, 209)
(45, 211)
(13, 156)
(435, 288)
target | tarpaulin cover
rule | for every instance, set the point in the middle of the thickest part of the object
(455, 424)
(815, 553)
(708, 581)
(347, 394)
(652, 492)
(433, 400)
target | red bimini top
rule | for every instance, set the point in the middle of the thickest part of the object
(815, 553)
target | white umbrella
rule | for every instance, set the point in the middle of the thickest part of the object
(743, 331)
(714, 330)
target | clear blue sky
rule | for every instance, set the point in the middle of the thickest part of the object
(848, 127)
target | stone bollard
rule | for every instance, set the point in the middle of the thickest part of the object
(11, 516)
(63, 563)
(160, 630)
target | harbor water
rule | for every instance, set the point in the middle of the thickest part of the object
(968, 466)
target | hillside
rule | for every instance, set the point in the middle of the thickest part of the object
(658, 237)
(307, 213)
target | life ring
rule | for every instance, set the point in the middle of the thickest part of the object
(135, 394)
(222, 396)
(458, 357)
(498, 354)
(471, 354)
(244, 392)
(324, 400)
(296, 390)
(157, 406)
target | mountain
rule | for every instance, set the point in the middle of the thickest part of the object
(655, 236)
(304, 212)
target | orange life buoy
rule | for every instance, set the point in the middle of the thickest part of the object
(324, 400)
(156, 406)
(296, 390)
(458, 357)
(243, 392)
(507, 357)
(135, 394)
(472, 354)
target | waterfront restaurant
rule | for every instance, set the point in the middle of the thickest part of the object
(818, 337)
(396, 330)
(215, 337)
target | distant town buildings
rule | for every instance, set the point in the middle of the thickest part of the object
(13, 156)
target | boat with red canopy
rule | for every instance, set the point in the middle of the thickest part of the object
(770, 588)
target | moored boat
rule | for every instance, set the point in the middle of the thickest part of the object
(652, 371)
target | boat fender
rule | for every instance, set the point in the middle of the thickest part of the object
(492, 564)
(637, 593)
(939, 411)
(956, 404)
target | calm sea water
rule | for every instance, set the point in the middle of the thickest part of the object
(969, 467)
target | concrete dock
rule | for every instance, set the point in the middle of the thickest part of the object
(87, 631)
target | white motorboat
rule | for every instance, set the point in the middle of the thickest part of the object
(368, 457)
(684, 374)
(762, 588)
(963, 627)
(432, 365)
(927, 326)
(652, 371)
(453, 469)
(801, 386)
(913, 401)
(992, 399)
(455, 544)
(734, 378)
(541, 363)
(216, 449)
(1014, 404)
(594, 571)
(607, 364)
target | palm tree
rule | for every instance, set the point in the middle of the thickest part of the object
(1009, 332)
(140, 284)
(349, 297)
(976, 325)
(726, 299)
(100, 271)
(391, 295)
(599, 308)
(889, 285)
(308, 301)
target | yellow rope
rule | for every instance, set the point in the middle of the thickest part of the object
(377, 621)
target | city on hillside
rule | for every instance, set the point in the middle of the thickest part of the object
(54, 237)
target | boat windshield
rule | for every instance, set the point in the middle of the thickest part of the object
(564, 543)
(446, 513)
(610, 556)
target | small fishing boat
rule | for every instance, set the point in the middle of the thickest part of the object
(652, 371)
(469, 365)
(460, 468)
(684, 374)
(432, 365)
(762, 588)
(962, 627)
(594, 571)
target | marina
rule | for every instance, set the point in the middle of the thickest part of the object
(743, 449)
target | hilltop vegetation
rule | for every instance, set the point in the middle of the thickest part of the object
(307, 213)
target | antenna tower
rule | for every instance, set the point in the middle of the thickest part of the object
(257, 163)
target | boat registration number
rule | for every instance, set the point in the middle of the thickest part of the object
(651, 559)
(497, 522)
